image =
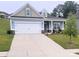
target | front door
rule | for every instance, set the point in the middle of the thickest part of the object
(46, 26)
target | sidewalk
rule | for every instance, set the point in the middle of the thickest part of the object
(73, 50)
(3, 54)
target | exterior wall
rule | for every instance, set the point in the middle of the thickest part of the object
(14, 19)
(34, 14)
(24, 20)
(23, 13)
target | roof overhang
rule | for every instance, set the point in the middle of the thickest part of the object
(36, 18)
(26, 18)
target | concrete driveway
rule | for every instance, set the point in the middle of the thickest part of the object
(36, 45)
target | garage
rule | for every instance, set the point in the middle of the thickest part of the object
(28, 26)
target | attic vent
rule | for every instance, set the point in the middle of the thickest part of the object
(28, 12)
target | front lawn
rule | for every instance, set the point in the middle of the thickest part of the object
(63, 40)
(5, 39)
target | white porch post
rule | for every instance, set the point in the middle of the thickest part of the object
(63, 25)
(43, 25)
(51, 26)
(10, 24)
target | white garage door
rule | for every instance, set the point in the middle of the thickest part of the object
(28, 27)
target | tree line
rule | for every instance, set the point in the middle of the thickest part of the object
(62, 10)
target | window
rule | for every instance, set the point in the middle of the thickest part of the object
(28, 12)
(56, 25)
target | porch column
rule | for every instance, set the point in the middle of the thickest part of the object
(43, 25)
(63, 25)
(51, 26)
(11, 24)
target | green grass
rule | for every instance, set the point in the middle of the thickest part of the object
(5, 39)
(64, 41)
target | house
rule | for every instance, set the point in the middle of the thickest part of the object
(28, 20)
(4, 15)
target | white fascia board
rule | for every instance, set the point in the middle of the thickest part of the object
(54, 19)
(38, 19)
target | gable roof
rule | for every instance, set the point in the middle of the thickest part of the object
(36, 14)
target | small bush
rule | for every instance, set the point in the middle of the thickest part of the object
(10, 32)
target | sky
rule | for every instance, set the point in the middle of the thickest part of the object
(12, 6)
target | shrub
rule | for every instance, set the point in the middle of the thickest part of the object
(10, 32)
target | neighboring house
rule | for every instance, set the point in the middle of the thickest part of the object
(28, 20)
(4, 15)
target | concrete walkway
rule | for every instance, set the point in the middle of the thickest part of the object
(36, 45)
(73, 50)
(3, 54)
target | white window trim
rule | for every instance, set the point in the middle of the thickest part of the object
(13, 25)
(29, 12)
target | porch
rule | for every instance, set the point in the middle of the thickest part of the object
(53, 26)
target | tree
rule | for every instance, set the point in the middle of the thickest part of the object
(54, 12)
(69, 6)
(62, 10)
(58, 11)
(70, 26)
